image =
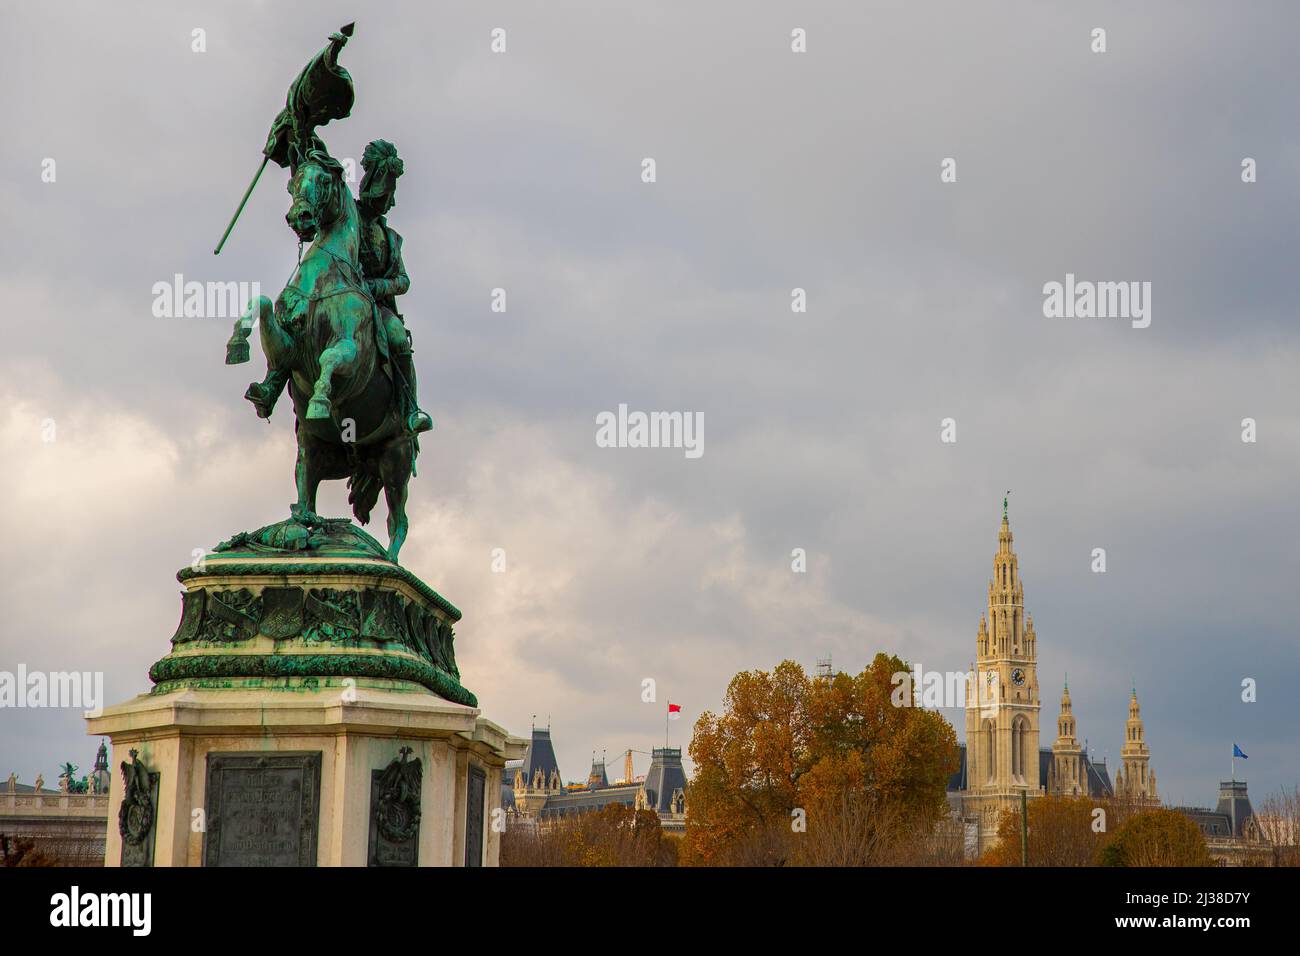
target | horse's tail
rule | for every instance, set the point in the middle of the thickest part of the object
(363, 489)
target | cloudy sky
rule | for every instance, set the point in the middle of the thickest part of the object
(775, 170)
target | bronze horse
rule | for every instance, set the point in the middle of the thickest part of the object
(323, 331)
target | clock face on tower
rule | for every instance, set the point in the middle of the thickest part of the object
(1018, 676)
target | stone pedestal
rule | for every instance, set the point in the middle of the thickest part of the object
(182, 736)
(310, 713)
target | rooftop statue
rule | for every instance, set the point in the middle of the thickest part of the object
(334, 336)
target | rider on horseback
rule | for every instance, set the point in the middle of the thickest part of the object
(384, 272)
(385, 278)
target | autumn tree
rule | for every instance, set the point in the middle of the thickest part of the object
(1062, 832)
(861, 741)
(748, 763)
(859, 827)
(790, 754)
(616, 835)
(1156, 838)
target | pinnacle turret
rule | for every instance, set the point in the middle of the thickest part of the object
(1006, 630)
(1135, 780)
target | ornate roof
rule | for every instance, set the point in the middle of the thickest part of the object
(666, 777)
(540, 755)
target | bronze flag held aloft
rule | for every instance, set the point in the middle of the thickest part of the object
(321, 93)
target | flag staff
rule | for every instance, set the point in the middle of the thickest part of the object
(247, 192)
(321, 93)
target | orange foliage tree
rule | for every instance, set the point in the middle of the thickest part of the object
(789, 753)
(616, 835)
(1061, 833)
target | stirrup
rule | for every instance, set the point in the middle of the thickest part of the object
(418, 421)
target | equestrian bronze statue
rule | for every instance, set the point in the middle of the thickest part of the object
(334, 336)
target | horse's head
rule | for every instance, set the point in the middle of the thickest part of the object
(316, 188)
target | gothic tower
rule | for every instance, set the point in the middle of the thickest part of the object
(1135, 780)
(1002, 700)
(1067, 771)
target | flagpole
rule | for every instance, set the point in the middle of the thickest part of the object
(247, 192)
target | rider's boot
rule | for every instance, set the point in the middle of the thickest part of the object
(416, 420)
(264, 394)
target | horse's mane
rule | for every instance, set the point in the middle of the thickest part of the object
(318, 157)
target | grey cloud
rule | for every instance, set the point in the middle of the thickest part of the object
(775, 171)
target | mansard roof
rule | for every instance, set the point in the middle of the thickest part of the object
(666, 777)
(1211, 824)
(1234, 803)
(540, 755)
(1228, 818)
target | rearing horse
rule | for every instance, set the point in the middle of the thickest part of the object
(322, 332)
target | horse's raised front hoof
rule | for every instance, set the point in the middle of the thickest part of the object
(237, 351)
(318, 408)
(263, 403)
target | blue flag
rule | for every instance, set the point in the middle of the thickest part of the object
(1236, 752)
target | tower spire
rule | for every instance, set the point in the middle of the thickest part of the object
(1068, 772)
(1002, 716)
(1010, 631)
(1138, 780)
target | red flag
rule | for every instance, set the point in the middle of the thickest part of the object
(674, 711)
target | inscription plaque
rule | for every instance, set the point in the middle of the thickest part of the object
(262, 809)
(476, 791)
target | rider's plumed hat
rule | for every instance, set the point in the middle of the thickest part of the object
(382, 166)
